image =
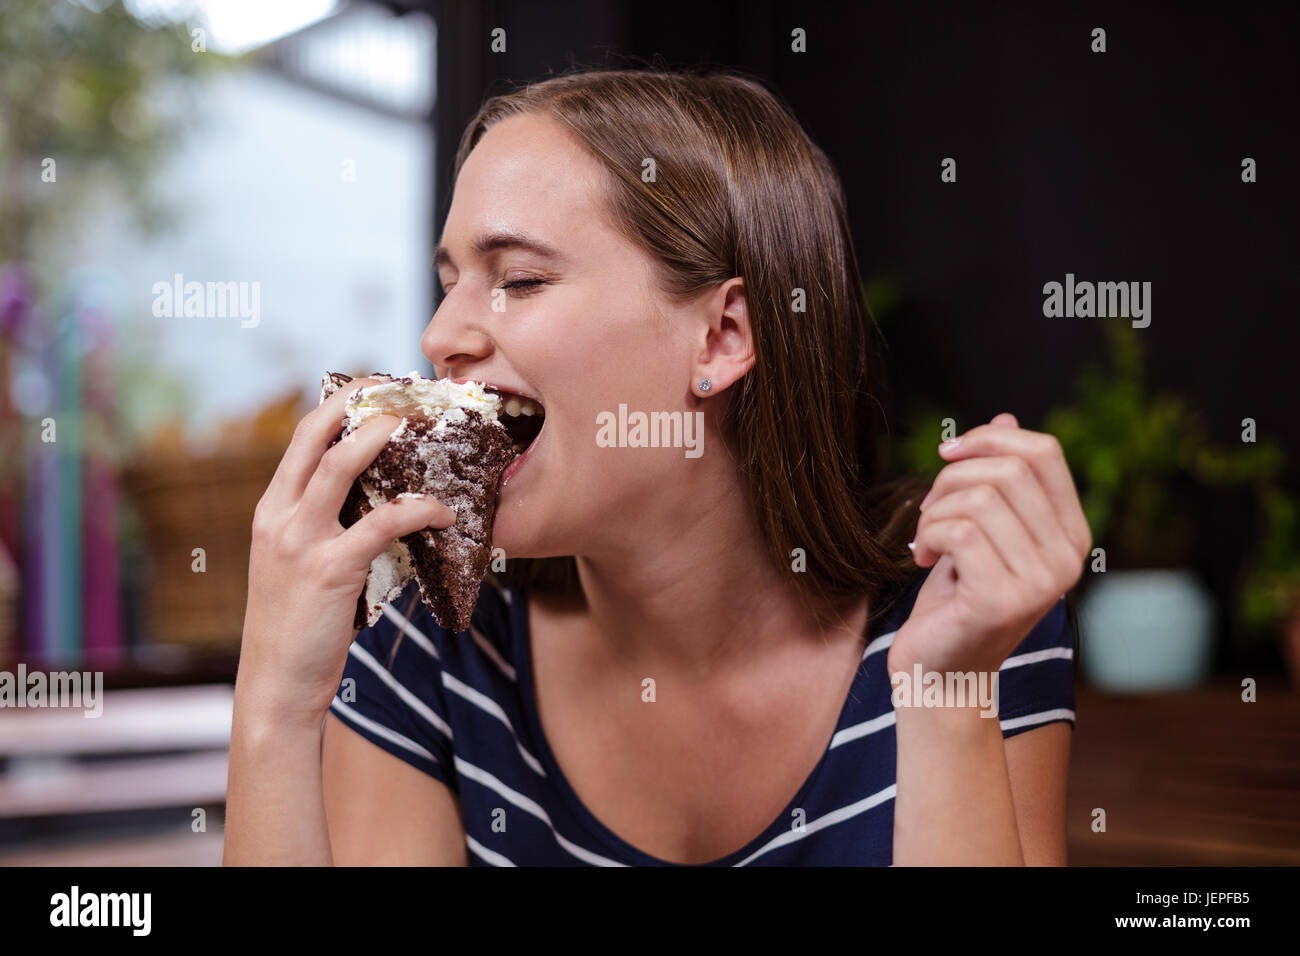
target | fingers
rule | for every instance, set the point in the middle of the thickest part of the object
(1017, 484)
(339, 467)
(1042, 452)
(977, 562)
(1002, 528)
(317, 429)
(360, 544)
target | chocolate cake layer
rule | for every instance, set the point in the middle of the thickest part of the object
(457, 458)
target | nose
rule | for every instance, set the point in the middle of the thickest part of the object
(452, 340)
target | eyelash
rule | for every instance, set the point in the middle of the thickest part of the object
(531, 284)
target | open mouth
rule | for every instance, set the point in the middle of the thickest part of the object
(522, 417)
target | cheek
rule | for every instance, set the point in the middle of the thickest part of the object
(641, 363)
(588, 357)
(590, 349)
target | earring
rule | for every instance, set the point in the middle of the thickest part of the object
(705, 385)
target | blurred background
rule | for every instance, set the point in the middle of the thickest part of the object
(295, 157)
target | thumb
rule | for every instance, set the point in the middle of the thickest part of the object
(1006, 419)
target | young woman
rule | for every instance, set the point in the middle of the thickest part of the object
(697, 670)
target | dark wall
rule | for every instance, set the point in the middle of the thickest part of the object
(1117, 166)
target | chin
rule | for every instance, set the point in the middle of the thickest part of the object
(522, 531)
(515, 534)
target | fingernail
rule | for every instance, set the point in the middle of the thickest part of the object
(951, 443)
(422, 497)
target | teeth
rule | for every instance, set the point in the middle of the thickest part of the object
(515, 406)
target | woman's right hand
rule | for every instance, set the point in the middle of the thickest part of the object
(306, 571)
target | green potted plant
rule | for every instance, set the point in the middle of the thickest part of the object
(1147, 621)
(1138, 458)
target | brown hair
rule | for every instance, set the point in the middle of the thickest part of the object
(740, 190)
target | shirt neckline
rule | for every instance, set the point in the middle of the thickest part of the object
(521, 638)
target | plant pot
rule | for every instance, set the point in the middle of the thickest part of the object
(1149, 630)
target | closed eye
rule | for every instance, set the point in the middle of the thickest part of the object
(523, 284)
(514, 284)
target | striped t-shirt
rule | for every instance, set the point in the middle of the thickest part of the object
(461, 707)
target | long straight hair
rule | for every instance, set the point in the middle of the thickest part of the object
(740, 190)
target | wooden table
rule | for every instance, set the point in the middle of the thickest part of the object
(1196, 778)
(159, 747)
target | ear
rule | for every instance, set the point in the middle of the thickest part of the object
(727, 350)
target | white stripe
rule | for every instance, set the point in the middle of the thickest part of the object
(411, 630)
(471, 772)
(884, 720)
(821, 823)
(490, 856)
(486, 646)
(417, 705)
(862, 729)
(1034, 657)
(490, 706)
(879, 644)
(1040, 718)
(343, 710)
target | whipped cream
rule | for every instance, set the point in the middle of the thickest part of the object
(413, 395)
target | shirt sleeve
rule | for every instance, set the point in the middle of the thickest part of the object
(1036, 682)
(396, 700)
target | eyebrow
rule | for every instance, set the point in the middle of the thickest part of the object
(490, 242)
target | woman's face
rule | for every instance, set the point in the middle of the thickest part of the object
(587, 331)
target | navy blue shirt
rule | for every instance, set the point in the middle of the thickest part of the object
(461, 707)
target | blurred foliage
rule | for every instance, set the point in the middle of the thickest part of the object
(1130, 447)
(1269, 587)
(1135, 455)
(1126, 448)
(1132, 451)
(106, 97)
(918, 445)
(97, 92)
(883, 294)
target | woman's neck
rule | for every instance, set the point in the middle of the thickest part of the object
(694, 595)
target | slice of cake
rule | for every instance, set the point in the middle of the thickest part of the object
(451, 445)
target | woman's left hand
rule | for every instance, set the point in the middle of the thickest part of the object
(1007, 536)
